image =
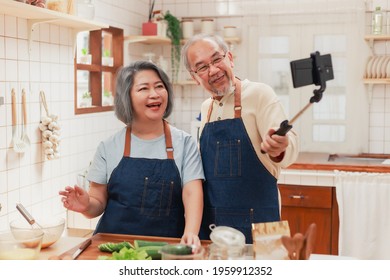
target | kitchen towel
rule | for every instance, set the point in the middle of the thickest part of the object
(364, 211)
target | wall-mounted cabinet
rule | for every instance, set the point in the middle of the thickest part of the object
(95, 81)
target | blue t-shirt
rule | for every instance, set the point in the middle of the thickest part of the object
(110, 152)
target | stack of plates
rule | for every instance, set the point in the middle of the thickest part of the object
(378, 67)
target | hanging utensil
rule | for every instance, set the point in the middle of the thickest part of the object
(25, 138)
(19, 145)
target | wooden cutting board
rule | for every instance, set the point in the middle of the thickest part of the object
(92, 252)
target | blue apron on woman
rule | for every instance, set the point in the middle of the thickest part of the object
(238, 189)
(144, 195)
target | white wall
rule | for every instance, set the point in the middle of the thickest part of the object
(35, 182)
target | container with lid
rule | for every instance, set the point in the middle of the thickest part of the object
(207, 26)
(229, 31)
(187, 27)
(228, 243)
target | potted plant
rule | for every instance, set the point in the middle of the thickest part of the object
(174, 33)
(86, 99)
(107, 59)
(108, 99)
(85, 57)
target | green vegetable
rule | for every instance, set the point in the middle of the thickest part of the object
(114, 247)
(152, 248)
(178, 249)
(127, 254)
(144, 243)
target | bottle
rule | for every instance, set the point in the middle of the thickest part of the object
(377, 21)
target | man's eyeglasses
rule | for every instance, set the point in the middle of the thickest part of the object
(204, 68)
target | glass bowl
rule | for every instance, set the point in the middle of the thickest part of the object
(21, 244)
(52, 229)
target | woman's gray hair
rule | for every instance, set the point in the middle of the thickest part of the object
(199, 37)
(125, 82)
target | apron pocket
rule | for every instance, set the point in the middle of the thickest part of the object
(157, 198)
(228, 158)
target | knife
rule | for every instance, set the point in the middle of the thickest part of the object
(82, 247)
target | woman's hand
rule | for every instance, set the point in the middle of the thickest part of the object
(190, 239)
(75, 199)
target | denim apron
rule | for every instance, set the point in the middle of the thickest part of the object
(238, 189)
(144, 195)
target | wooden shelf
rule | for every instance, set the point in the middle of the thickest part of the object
(42, 15)
(382, 37)
(36, 15)
(377, 81)
(150, 40)
(185, 83)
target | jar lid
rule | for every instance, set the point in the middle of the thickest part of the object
(226, 236)
(207, 19)
(187, 20)
(230, 26)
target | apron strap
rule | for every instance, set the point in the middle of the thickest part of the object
(126, 152)
(168, 141)
(237, 102)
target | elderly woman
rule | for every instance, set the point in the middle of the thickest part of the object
(147, 178)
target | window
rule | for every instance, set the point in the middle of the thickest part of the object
(336, 123)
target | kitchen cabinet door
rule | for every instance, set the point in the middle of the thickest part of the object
(303, 205)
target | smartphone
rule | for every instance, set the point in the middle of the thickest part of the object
(316, 69)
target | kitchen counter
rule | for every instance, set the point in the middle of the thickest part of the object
(353, 163)
(64, 244)
(68, 244)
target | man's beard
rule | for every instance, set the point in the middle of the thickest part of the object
(227, 90)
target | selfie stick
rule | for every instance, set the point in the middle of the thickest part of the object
(286, 125)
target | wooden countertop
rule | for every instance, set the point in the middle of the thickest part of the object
(353, 163)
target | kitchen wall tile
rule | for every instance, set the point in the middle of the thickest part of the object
(2, 49)
(54, 34)
(44, 33)
(309, 179)
(292, 179)
(11, 48)
(35, 71)
(13, 198)
(2, 25)
(10, 29)
(54, 53)
(22, 49)
(35, 51)
(2, 70)
(387, 147)
(12, 71)
(22, 28)
(25, 195)
(376, 147)
(377, 119)
(23, 72)
(3, 131)
(45, 73)
(3, 185)
(3, 160)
